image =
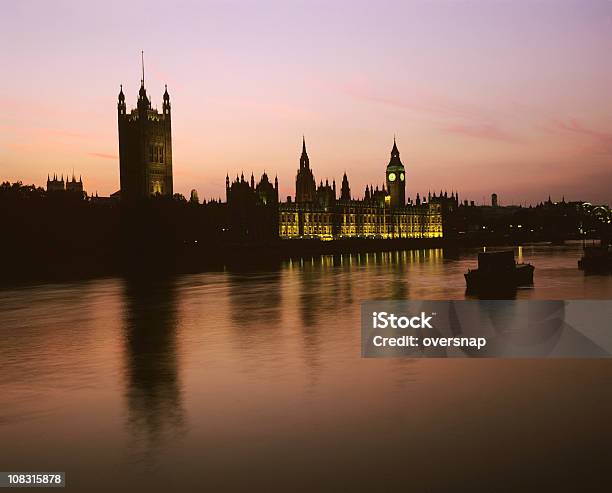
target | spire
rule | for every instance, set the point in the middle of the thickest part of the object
(143, 100)
(345, 191)
(304, 161)
(395, 158)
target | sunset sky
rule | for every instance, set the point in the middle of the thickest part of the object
(484, 96)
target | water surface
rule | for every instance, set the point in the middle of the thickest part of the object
(236, 381)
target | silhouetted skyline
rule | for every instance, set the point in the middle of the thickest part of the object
(509, 98)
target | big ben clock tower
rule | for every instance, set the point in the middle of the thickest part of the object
(396, 179)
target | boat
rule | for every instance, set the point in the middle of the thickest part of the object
(596, 259)
(498, 272)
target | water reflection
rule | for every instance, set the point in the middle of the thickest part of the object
(152, 378)
(215, 373)
(255, 297)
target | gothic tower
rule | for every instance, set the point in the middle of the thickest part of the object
(145, 146)
(345, 191)
(305, 186)
(396, 179)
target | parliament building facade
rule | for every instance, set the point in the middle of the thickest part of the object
(318, 212)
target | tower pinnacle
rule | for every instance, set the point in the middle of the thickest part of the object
(304, 161)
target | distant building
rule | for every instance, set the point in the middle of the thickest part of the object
(382, 213)
(73, 185)
(252, 209)
(55, 185)
(493, 200)
(145, 147)
(59, 185)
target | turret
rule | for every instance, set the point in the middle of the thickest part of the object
(121, 101)
(166, 106)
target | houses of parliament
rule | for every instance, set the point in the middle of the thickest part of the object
(254, 209)
(318, 211)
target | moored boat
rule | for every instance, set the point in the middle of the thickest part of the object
(498, 272)
(596, 259)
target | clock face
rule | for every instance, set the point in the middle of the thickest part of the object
(402, 176)
(391, 176)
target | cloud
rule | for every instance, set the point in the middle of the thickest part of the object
(462, 119)
(40, 131)
(486, 131)
(103, 155)
(573, 126)
(426, 104)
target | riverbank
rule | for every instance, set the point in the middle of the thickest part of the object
(145, 260)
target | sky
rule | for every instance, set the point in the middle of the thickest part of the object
(512, 97)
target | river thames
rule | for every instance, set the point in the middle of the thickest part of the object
(244, 381)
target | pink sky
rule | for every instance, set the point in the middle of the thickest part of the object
(484, 96)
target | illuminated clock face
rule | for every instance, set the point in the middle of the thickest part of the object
(391, 176)
(402, 176)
